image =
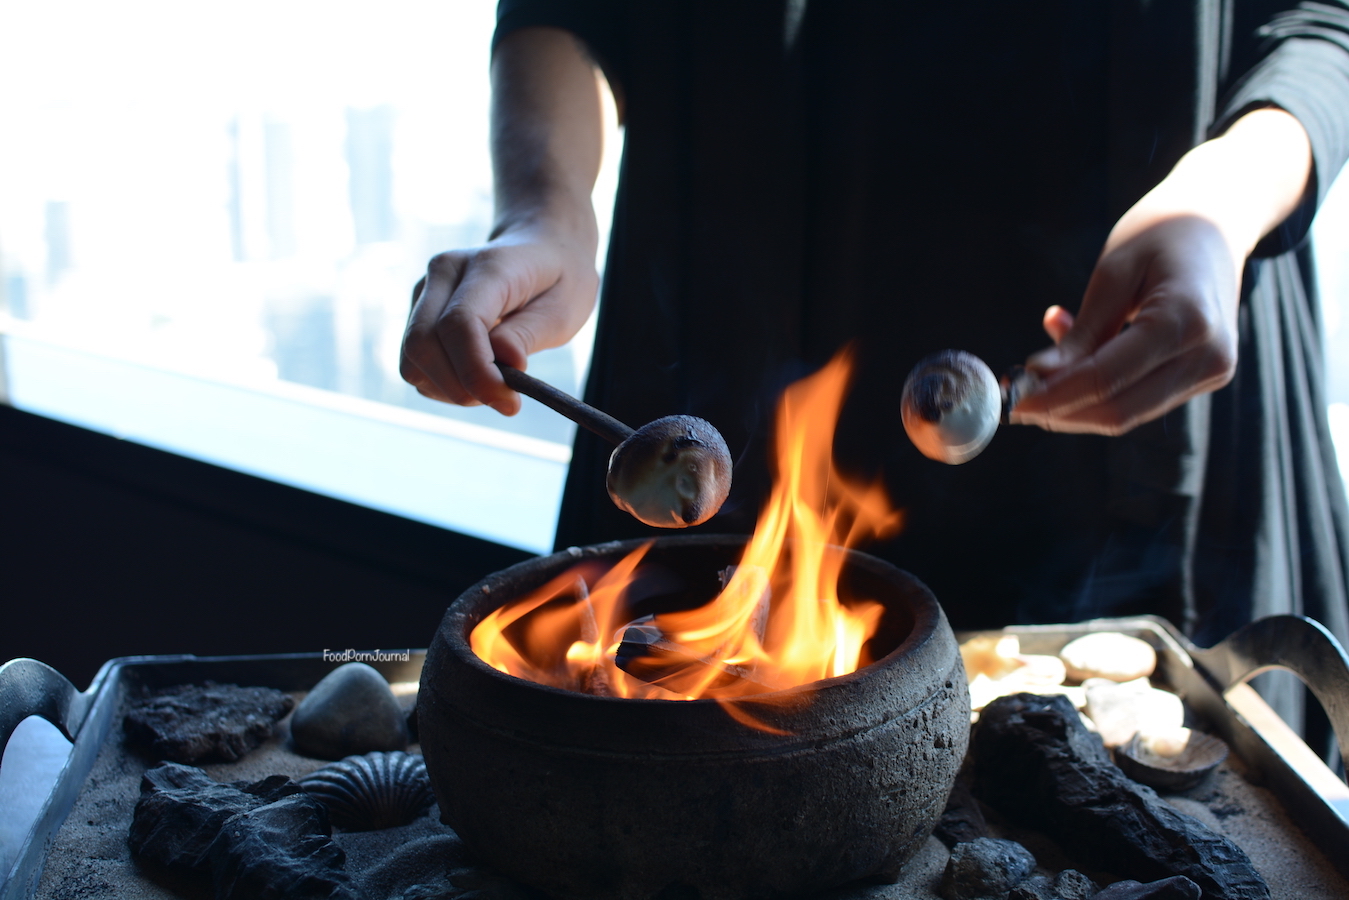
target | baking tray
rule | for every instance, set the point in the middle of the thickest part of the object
(1211, 682)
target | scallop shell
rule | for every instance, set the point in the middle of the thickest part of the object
(377, 790)
(1202, 754)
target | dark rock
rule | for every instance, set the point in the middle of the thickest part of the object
(1175, 888)
(985, 867)
(188, 722)
(963, 820)
(1037, 764)
(1071, 884)
(283, 850)
(1037, 887)
(181, 810)
(350, 712)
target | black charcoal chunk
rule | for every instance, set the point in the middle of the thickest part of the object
(1038, 765)
(281, 851)
(1037, 887)
(181, 810)
(963, 820)
(188, 722)
(1071, 884)
(985, 867)
(1176, 888)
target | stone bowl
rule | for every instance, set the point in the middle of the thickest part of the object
(604, 798)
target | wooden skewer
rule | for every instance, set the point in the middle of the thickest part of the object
(583, 414)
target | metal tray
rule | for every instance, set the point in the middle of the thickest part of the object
(1212, 683)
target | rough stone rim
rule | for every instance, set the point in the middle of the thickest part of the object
(819, 712)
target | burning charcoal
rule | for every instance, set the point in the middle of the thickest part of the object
(758, 621)
(282, 850)
(985, 867)
(181, 809)
(1109, 654)
(595, 680)
(210, 721)
(1176, 888)
(646, 654)
(1037, 764)
(350, 712)
(963, 820)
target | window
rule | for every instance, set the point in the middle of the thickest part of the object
(211, 228)
(211, 219)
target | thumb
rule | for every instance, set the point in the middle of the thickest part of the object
(1107, 304)
(545, 322)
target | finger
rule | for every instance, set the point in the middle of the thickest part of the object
(549, 320)
(1057, 321)
(1110, 298)
(424, 363)
(464, 332)
(1154, 395)
(407, 365)
(416, 294)
(1169, 326)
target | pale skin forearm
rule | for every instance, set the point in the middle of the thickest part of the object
(547, 130)
(1246, 181)
(1171, 268)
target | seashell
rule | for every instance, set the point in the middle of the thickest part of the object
(377, 790)
(1166, 764)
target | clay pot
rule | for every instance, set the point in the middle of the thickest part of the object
(598, 797)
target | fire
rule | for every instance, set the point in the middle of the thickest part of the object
(778, 621)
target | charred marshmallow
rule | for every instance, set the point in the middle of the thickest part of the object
(671, 473)
(951, 406)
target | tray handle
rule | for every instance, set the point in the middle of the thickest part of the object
(31, 688)
(1301, 645)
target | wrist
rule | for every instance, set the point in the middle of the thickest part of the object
(558, 220)
(1245, 182)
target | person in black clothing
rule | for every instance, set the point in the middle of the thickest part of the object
(798, 176)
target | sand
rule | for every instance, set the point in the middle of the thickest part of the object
(90, 858)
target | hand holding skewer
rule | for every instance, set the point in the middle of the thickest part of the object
(671, 473)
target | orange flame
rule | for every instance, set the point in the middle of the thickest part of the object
(778, 621)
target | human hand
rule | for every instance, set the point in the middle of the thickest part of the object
(1174, 281)
(1158, 322)
(532, 285)
(526, 290)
